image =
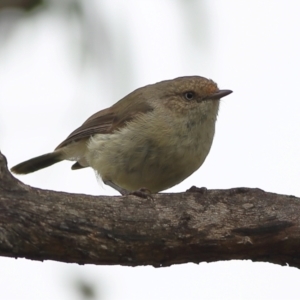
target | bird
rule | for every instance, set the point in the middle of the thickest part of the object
(152, 139)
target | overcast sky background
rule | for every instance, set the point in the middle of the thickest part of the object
(250, 47)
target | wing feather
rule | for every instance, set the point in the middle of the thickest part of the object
(108, 120)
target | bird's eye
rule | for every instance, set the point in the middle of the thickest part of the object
(189, 95)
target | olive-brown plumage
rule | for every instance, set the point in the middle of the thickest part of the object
(153, 138)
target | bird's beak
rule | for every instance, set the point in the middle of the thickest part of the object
(219, 94)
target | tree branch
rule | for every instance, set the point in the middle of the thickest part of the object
(195, 226)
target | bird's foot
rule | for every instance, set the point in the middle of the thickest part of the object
(142, 193)
(195, 189)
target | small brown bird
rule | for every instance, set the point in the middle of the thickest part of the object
(152, 139)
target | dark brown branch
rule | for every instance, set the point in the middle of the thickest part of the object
(195, 226)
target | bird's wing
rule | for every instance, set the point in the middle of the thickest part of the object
(108, 120)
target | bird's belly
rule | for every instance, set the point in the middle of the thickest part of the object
(132, 164)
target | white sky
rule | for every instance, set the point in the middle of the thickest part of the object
(251, 47)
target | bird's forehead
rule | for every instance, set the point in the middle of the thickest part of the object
(193, 83)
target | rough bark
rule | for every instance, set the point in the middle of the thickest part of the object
(195, 226)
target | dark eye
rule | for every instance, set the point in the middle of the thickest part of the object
(189, 95)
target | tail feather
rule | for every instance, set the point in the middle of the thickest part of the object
(77, 166)
(37, 163)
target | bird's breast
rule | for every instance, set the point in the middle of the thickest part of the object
(153, 155)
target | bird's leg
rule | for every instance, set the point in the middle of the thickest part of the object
(142, 192)
(122, 191)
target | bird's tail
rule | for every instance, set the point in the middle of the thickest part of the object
(37, 163)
